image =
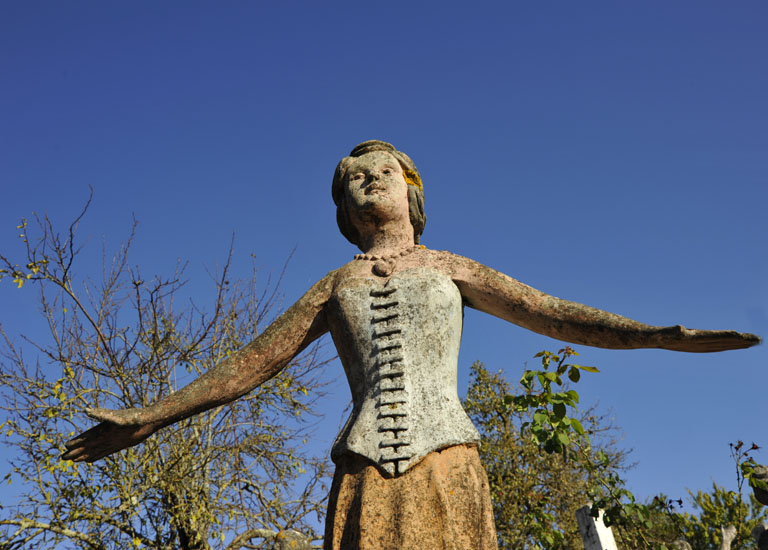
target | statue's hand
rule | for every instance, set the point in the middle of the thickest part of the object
(118, 430)
(679, 338)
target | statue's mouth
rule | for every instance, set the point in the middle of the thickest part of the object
(375, 188)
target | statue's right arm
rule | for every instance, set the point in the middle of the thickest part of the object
(493, 292)
(244, 370)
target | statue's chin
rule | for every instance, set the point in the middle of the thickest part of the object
(379, 205)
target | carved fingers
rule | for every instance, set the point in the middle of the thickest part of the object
(106, 438)
(679, 338)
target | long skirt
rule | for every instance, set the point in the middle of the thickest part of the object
(441, 503)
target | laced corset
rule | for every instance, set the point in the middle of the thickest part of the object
(399, 343)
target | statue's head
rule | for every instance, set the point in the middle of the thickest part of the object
(415, 192)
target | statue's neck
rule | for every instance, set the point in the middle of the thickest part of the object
(387, 239)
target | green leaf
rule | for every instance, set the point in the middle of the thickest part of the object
(587, 368)
(559, 397)
(559, 410)
(577, 427)
(528, 375)
(574, 375)
(552, 446)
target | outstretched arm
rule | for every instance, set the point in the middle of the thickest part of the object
(245, 369)
(488, 290)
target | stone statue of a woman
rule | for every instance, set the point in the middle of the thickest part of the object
(408, 475)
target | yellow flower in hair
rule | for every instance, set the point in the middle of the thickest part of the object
(412, 178)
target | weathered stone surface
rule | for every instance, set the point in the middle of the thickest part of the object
(399, 343)
(727, 534)
(594, 533)
(290, 540)
(443, 502)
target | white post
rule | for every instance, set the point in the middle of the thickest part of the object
(594, 533)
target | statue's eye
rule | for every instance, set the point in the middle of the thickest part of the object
(387, 171)
(356, 177)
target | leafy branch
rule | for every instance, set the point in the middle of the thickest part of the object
(556, 430)
(551, 427)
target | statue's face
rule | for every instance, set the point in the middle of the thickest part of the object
(376, 186)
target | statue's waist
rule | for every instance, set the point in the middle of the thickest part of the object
(397, 425)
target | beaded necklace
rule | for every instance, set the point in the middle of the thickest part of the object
(384, 266)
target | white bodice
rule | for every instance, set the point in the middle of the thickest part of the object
(399, 344)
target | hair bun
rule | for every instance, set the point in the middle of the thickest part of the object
(370, 146)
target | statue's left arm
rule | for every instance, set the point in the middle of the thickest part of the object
(245, 369)
(493, 292)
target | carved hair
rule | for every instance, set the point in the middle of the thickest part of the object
(410, 173)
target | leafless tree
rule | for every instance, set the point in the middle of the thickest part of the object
(228, 478)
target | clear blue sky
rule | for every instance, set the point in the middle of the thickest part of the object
(610, 153)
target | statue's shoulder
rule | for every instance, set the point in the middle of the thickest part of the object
(346, 274)
(464, 271)
(445, 261)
